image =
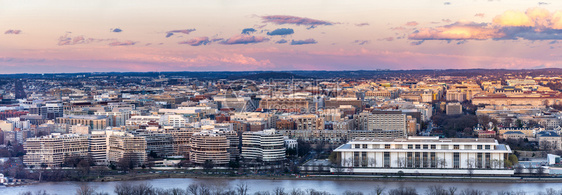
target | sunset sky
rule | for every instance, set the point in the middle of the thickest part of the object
(49, 36)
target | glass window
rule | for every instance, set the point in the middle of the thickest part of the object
(398, 146)
(479, 147)
(468, 147)
(387, 146)
(418, 146)
(456, 161)
(410, 146)
(357, 146)
(456, 147)
(444, 147)
(387, 159)
(425, 147)
(433, 147)
(364, 145)
(487, 147)
(409, 160)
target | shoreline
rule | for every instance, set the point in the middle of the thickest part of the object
(436, 179)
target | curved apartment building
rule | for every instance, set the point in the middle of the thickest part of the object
(267, 145)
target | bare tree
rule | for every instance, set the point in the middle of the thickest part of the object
(85, 190)
(242, 189)
(193, 189)
(436, 190)
(347, 192)
(518, 169)
(123, 189)
(441, 162)
(372, 162)
(468, 191)
(279, 191)
(378, 190)
(470, 166)
(540, 171)
(452, 190)
(401, 162)
(403, 191)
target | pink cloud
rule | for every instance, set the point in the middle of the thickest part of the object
(534, 24)
(362, 24)
(122, 43)
(196, 41)
(14, 32)
(67, 39)
(285, 19)
(481, 15)
(412, 23)
(244, 39)
(172, 32)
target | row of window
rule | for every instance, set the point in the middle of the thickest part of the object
(426, 146)
(421, 159)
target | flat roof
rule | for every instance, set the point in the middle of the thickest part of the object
(425, 139)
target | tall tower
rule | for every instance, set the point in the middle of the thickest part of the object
(18, 90)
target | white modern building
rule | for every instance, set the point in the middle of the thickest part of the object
(267, 145)
(423, 155)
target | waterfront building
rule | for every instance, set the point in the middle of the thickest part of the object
(423, 155)
(52, 150)
(209, 145)
(266, 145)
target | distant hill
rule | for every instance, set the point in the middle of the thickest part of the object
(271, 75)
(299, 74)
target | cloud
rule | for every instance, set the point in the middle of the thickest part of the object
(479, 15)
(124, 43)
(196, 41)
(417, 42)
(400, 28)
(386, 39)
(67, 39)
(513, 18)
(303, 42)
(281, 41)
(412, 23)
(116, 30)
(543, 3)
(13, 32)
(244, 39)
(186, 31)
(361, 42)
(447, 3)
(456, 31)
(534, 24)
(362, 24)
(281, 31)
(248, 31)
(285, 19)
(446, 20)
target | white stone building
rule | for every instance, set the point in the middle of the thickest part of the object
(423, 155)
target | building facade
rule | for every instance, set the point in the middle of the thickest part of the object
(423, 155)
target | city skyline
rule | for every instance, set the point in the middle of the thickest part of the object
(99, 36)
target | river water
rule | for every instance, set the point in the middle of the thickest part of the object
(335, 187)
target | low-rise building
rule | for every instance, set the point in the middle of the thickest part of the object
(423, 155)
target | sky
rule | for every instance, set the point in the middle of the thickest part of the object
(57, 36)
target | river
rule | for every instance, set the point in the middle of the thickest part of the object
(333, 186)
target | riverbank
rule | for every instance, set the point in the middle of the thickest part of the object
(380, 178)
